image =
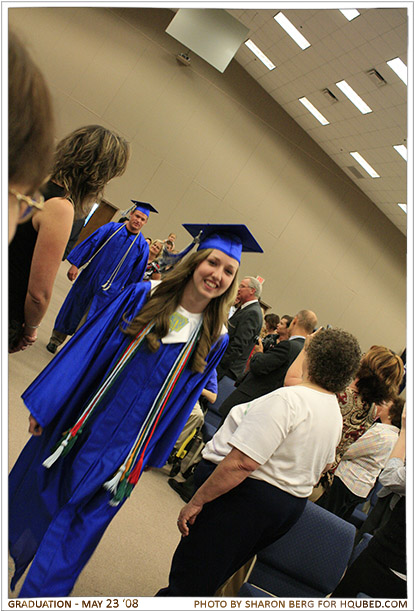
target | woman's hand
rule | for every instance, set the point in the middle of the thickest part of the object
(34, 428)
(72, 273)
(187, 516)
(28, 338)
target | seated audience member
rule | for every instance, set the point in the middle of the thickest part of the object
(153, 269)
(363, 461)
(269, 334)
(283, 328)
(147, 239)
(31, 134)
(259, 469)
(267, 368)
(84, 162)
(377, 380)
(380, 570)
(393, 481)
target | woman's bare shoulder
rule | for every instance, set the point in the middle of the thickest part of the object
(56, 211)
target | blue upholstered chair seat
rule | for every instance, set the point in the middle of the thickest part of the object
(309, 560)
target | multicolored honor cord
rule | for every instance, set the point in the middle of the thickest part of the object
(69, 437)
(125, 478)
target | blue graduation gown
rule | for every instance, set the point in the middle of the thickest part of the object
(58, 515)
(87, 289)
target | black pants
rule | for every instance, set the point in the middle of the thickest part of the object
(228, 532)
(368, 575)
(339, 500)
(378, 517)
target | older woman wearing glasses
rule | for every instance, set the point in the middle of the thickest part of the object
(84, 162)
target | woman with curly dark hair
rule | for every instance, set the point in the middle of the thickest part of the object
(259, 469)
(85, 161)
(377, 380)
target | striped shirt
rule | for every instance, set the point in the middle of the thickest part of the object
(365, 459)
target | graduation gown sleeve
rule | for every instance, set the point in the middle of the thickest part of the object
(85, 358)
(84, 251)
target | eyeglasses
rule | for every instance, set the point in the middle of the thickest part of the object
(31, 204)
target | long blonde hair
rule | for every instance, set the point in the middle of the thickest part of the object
(165, 300)
(86, 160)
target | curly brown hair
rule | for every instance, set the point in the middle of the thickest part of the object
(379, 375)
(333, 357)
(85, 161)
(165, 299)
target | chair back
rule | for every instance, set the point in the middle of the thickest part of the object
(310, 559)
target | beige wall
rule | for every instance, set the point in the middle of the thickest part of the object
(212, 147)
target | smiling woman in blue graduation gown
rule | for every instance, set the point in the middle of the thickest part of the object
(59, 513)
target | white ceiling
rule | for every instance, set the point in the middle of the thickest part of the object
(341, 50)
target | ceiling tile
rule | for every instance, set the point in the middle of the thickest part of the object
(341, 50)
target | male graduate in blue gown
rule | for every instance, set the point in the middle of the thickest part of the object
(113, 257)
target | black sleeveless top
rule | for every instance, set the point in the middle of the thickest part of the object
(20, 259)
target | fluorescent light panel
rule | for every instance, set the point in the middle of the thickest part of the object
(399, 68)
(261, 56)
(350, 13)
(310, 107)
(354, 97)
(364, 164)
(292, 31)
(403, 206)
(402, 150)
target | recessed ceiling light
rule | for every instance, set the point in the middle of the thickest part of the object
(350, 13)
(402, 150)
(292, 31)
(403, 206)
(364, 164)
(261, 56)
(313, 111)
(354, 97)
(399, 67)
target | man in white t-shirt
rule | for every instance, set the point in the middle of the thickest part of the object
(260, 467)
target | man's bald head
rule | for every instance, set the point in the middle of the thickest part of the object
(304, 323)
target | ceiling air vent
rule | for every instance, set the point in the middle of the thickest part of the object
(376, 77)
(330, 95)
(355, 172)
